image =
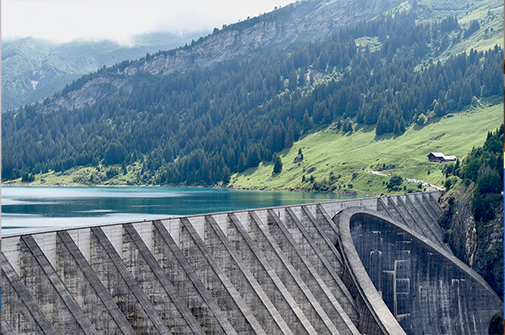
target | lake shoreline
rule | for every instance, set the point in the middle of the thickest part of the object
(33, 207)
(345, 193)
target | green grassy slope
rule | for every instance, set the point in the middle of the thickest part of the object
(490, 18)
(334, 154)
(341, 161)
(434, 10)
(489, 15)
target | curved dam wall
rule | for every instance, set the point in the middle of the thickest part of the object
(281, 270)
(425, 288)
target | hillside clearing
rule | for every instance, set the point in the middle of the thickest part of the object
(345, 158)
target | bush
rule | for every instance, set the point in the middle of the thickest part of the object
(450, 182)
(489, 182)
(394, 182)
(421, 119)
(484, 206)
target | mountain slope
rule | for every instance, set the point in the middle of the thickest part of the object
(336, 160)
(472, 211)
(33, 69)
(376, 97)
(200, 126)
(283, 28)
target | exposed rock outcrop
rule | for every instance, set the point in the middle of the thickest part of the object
(298, 23)
(478, 244)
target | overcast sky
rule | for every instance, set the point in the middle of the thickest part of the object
(65, 20)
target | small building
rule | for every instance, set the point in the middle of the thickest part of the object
(440, 157)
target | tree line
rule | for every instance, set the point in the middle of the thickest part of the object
(201, 126)
(484, 167)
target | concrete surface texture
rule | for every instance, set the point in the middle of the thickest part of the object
(362, 266)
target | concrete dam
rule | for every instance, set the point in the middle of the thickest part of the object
(363, 266)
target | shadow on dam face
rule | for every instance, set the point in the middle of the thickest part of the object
(379, 267)
(426, 289)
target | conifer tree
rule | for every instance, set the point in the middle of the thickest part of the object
(277, 165)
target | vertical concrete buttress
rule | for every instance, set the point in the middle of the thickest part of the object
(291, 278)
(243, 280)
(84, 285)
(19, 308)
(51, 294)
(155, 284)
(189, 286)
(262, 270)
(321, 264)
(310, 276)
(220, 287)
(123, 288)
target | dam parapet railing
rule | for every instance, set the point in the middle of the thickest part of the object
(276, 270)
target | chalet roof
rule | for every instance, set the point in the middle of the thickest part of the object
(442, 156)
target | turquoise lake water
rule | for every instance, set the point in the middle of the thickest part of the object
(27, 209)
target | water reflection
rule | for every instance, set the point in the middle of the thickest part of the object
(33, 208)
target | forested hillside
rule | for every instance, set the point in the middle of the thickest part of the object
(201, 126)
(33, 69)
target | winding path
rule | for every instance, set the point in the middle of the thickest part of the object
(411, 181)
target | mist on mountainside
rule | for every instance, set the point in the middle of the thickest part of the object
(33, 69)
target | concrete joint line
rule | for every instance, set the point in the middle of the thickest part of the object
(130, 281)
(223, 278)
(197, 283)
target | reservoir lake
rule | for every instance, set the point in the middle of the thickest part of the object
(28, 209)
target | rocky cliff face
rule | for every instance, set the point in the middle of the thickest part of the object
(297, 23)
(94, 90)
(478, 244)
(309, 21)
(33, 69)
